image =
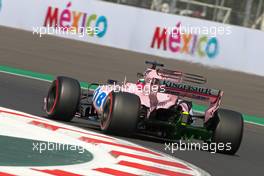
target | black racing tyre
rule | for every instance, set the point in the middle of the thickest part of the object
(228, 130)
(120, 113)
(63, 99)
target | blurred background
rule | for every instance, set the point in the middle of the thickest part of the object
(247, 13)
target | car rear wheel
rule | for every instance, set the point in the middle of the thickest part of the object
(63, 99)
(228, 130)
(120, 114)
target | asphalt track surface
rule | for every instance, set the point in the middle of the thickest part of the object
(91, 63)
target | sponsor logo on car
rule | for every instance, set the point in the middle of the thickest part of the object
(186, 87)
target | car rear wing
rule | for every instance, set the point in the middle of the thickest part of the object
(178, 76)
(190, 91)
(214, 96)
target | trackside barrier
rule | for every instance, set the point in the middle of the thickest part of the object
(140, 30)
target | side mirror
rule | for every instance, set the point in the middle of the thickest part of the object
(111, 81)
(154, 64)
(140, 75)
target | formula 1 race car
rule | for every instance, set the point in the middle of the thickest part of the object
(159, 104)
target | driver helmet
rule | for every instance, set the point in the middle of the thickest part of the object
(141, 82)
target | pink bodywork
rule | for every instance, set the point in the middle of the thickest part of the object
(153, 99)
(156, 100)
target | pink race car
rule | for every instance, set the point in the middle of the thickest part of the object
(158, 104)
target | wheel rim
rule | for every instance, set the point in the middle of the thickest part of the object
(106, 113)
(52, 98)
